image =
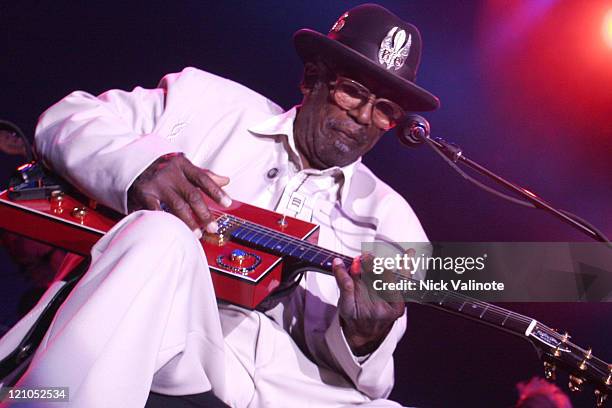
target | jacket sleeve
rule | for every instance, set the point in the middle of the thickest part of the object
(101, 144)
(398, 229)
(373, 374)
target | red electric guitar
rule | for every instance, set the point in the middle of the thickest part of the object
(246, 258)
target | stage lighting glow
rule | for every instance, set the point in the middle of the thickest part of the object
(607, 28)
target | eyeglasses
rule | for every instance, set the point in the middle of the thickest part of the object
(350, 95)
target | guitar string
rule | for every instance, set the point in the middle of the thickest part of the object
(271, 233)
(291, 240)
(267, 232)
(466, 299)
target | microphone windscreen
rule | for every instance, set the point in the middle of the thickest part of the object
(413, 131)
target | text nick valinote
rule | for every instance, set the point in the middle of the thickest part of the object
(412, 264)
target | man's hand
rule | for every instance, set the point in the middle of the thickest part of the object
(365, 317)
(173, 182)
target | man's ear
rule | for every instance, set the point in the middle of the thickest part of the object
(304, 89)
(311, 75)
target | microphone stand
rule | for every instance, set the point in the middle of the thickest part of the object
(455, 154)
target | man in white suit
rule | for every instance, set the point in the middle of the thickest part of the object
(144, 316)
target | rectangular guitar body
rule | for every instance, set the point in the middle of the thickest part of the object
(241, 274)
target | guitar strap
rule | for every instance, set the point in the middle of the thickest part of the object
(17, 360)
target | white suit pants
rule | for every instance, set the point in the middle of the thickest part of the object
(144, 317)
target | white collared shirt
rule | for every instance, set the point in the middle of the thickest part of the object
(303, 187)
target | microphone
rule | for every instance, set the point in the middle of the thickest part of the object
(413, 131)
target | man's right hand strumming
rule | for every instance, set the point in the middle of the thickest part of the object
(172, 183)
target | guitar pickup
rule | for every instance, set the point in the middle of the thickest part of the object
(31, 182)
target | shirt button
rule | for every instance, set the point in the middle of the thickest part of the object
(273, 172)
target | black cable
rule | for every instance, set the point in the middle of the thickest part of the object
(5, 124)
(476, 182)
(588, 224)
(508, 197)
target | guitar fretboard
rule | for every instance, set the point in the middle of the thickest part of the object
(282, 244)
(474, 309)
(321, 258)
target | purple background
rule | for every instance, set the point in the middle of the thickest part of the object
(526, 89)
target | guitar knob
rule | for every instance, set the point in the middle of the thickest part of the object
(57, 199)
(79, 213)
(57, 196)
(575, 383)
(550, 371)
(238, 255)
(600, 398)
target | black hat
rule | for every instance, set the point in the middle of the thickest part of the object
(372, 41)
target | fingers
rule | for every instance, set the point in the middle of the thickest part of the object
(344, 280)
(411, 253)
(151, 203)
(346, 303)
(195, 203)
(356, 267)
(179, 207)
(209, 183)
(221, 181)
(393, 298)
(174, 181)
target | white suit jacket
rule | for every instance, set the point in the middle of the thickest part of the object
(101, 144)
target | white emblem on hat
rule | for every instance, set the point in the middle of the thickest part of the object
(394, 48)
(340, 23)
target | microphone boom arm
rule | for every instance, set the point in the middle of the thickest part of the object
(417, 131)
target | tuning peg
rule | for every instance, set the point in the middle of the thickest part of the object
(564, 338)
(609, 379)
(587, 356)
(600, 398)
(575, 383)
(550, 371)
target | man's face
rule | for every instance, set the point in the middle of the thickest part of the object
(327, 135)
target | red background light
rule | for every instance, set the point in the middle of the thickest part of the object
(547, 68)
(607, 28)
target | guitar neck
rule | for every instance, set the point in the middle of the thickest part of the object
(483, 312)
(321, 259)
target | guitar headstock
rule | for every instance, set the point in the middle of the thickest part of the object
(557, 351)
